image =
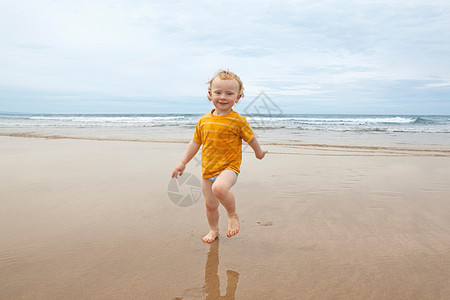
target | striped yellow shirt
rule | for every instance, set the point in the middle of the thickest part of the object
(221, 138)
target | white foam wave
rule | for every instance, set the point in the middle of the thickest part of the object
(312, 120)
(108, 121)
(338, 123)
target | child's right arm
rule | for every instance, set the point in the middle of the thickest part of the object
(190, 153)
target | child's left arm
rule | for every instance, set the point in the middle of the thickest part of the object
(259, 153)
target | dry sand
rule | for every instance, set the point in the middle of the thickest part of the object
(92, 220)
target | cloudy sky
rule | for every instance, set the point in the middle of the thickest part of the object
(118, 56)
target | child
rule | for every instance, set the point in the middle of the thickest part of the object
(221, 133)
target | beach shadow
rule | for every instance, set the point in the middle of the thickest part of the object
(212, 281)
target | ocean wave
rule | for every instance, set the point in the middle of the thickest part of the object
(106, 119)
(430, 120)
(341, 121)
(86, 121)
(354, 129)
(332, 123)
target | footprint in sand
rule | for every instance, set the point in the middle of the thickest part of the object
(269, 223)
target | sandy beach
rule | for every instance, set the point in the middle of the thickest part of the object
(89, 219)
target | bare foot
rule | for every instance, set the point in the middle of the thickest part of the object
(233, 225)
(211, 236)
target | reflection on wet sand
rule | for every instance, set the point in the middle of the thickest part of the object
(212, 281)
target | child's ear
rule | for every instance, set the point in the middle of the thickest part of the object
(238, 97)
(209, 95)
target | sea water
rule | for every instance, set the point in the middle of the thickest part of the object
(417, 131)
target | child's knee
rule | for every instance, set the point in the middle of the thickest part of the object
(211, 206)
(219, 190)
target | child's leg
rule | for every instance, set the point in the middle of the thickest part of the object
(221, 189)
(212, 211)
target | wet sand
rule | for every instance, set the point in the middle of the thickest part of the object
(93, 219)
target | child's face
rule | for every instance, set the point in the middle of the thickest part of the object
(224, 94)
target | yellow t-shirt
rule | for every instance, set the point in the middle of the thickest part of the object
(221, 138)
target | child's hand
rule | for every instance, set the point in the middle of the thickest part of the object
(178, 170)
(260, 155)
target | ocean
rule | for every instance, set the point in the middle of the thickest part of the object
(316, 122)
(410, 131)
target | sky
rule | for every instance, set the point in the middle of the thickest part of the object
(117, 56)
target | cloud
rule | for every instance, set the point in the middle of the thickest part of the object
(294, 50)
(435, 85)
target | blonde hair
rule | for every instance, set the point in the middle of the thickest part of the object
(227, 75)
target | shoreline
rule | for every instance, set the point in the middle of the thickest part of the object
(376, 150)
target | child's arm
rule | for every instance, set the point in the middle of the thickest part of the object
(190, 153)
(259, 153)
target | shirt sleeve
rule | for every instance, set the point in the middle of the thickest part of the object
(197, 134)
(246, 131)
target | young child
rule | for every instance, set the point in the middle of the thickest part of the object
(221, 133)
